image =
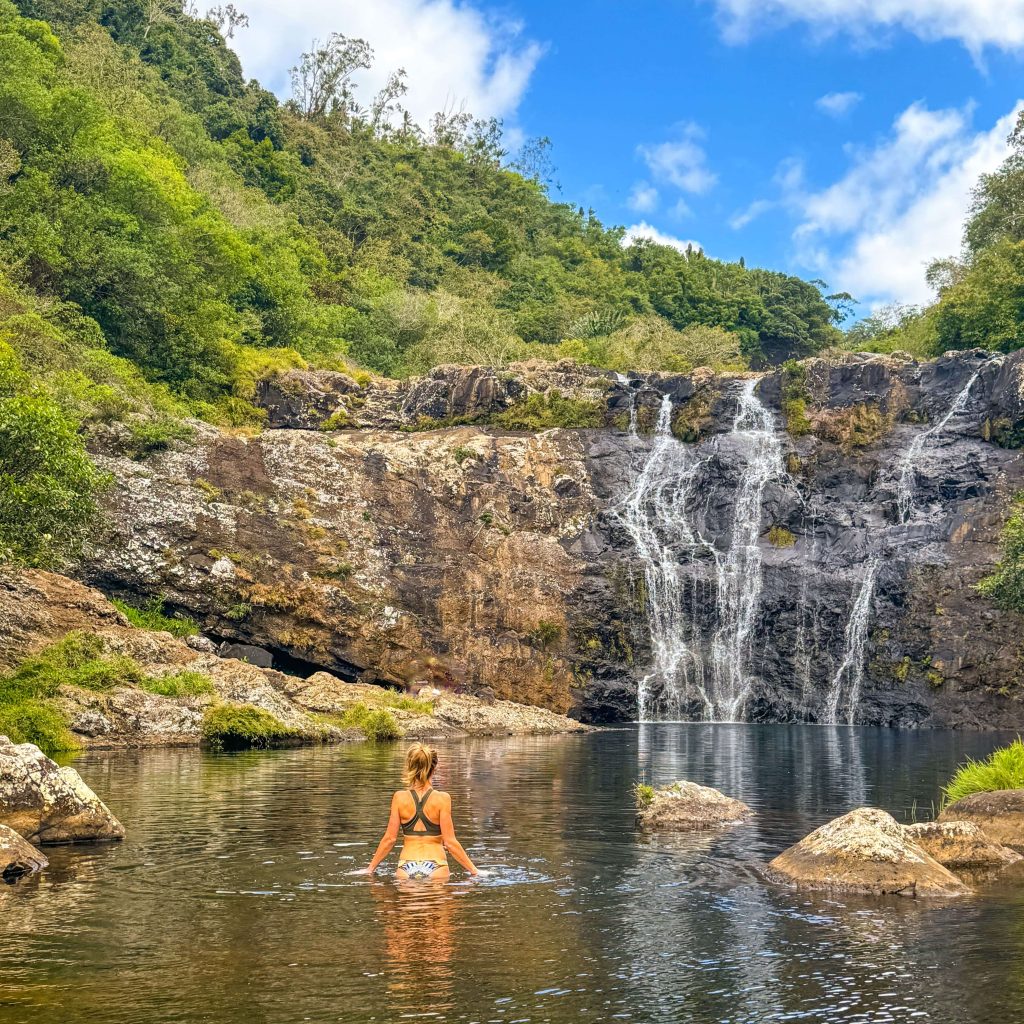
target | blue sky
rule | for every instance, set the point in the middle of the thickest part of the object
(829, 138)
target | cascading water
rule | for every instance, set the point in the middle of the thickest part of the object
(850, 673)
(655, 516)
(739, 572)
(662, 517)
(906, 479)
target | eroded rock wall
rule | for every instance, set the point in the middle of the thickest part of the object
(481, 559)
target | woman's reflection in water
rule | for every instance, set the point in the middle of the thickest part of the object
(418, 921)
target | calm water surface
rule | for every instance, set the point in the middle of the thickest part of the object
(231, 901)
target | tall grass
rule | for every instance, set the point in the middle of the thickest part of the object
(1002, 769)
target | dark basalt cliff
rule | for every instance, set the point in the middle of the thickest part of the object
(415, 540)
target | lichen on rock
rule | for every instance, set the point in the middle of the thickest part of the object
(45, 803)
(687, 806)
(866, 851)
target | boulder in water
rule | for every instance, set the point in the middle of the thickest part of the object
(961, 846)
(17, 856)
(866, 851)
(999, 814)
(685, 806)
(47, 804)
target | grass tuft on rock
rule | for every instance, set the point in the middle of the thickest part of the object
(643, 794)
(38, 722)
(377, 724)
(1002, 769)
(179, 684)
(243, 726)
(153, 616)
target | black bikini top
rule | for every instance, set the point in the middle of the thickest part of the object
(430, 828)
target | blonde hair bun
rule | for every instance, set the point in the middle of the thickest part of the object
(420, 762)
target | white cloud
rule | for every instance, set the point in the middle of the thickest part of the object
(837, 104)
(652, 234)
(681, 162)
(455, 55)
(680, 210)
(742, 218)
(643, 198)
(975, 23)
(900, 205)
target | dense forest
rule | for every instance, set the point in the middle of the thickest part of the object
(170, 233)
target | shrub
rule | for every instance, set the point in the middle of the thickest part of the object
(780, 537)
(1005, 586)
(381, 726)
(151, 616)
(48, 484)
(377, 724)
(794, 398)
(643, 794)
(542, 412)
(544, 634)
(1003, 769)
(180, 684)
(38, 722)
(241, 726)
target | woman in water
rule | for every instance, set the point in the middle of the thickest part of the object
(425, 818)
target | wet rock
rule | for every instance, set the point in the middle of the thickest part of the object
(304, 399)
(248, 653)
(373, 552)
(685, 806)
(961, 846)
(202, 644)
(47, 804)
(1000, 815)
(866, 851)
(18, 857)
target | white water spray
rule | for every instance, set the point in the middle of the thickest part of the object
(907, 469)
(851, 669)
(660, 517)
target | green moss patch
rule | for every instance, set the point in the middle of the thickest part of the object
(153, 616)
(243, 726)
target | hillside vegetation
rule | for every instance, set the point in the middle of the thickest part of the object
(170, 234)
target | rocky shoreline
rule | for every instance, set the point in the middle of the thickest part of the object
(38, 609)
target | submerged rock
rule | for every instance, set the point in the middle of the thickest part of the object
(866, 851)
(17, 856)
(685, 806)
(45, 803)
(961, 846)
(1000, 815)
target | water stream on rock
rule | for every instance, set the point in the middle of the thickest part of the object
(906, 480)
(850, 673)
(663, 516)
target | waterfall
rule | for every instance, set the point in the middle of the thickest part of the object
(688, 666)
(851, 668)
(907, 469)
(739, 572)
(655, 516)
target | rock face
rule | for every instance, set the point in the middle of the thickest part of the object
(866, 851)
(686, 807)
(44, 803)
(134, 717)
(18, 857)
(484, 560)
(961, 846)
(1000, 815)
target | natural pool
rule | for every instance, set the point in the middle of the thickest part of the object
(231, 901)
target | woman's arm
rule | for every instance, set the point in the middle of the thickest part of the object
(389, 838)
(448, 837)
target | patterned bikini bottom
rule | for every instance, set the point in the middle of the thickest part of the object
(419, 869)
